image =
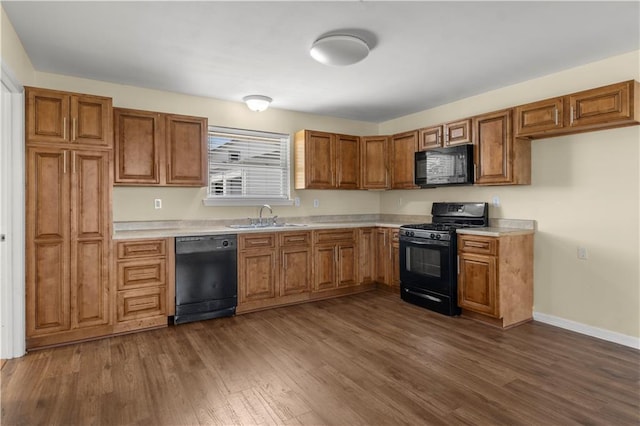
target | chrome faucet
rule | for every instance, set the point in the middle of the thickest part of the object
(260, 215)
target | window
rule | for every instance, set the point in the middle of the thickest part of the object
(247, 167)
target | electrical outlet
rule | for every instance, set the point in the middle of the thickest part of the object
(496, 201)
(316, 203)
(582, 253)
(296, 201)
(157, 203)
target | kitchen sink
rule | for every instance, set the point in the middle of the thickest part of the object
(266, 225)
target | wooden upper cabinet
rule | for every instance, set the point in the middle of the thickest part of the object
(347, 162)
(373, 162)
(186, 150)
(443, 135)
(402, 153)
(153, 148)
(68, 118)
(499, 158)
(605, 107)
(138, 140)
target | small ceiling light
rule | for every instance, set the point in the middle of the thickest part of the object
(257, 103)
(339, 50)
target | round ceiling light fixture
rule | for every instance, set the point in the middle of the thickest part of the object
(257, 103)
(339, 50)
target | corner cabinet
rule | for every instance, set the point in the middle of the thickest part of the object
(326, 160)
(153, 148)
(499, 158)
(495, 278)
(606, 107)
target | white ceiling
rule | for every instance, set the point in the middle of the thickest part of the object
(423, 54)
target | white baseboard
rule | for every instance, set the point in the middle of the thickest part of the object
(599, 333)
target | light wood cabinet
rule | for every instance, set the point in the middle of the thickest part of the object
(68, 237)
(374, 166)
(153, 148)
(145, 288)
(296, 263)
(604, 107)
(335, 259)
(326, 160)
(443, 135)
(257, 267)
(58, 117)
(387, 267)
(495, 278)
(366, 255)
(500, 159)
(402, 154)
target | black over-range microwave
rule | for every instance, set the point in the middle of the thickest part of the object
(444, 166)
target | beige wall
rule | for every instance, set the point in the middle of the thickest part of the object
(585, 191)
(592, 173)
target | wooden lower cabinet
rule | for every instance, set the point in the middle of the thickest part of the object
(68, 239)
(366, 255)
(495, 278)
(145, 283)
(335, 259)
(387, 267)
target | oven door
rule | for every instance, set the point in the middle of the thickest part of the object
(427, 265)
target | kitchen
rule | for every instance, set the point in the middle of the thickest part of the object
(570, 198)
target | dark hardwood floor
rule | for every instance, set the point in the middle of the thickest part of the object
(367, 359)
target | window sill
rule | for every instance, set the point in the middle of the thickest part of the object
(214, 202)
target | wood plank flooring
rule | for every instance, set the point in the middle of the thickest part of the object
(367, 359)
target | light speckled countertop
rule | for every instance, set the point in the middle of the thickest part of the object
(499, 227)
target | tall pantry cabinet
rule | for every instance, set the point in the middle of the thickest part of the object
(68, 224)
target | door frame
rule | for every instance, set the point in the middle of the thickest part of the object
(12, 218)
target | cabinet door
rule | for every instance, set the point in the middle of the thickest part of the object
(347, 162)
(374, 168)
(403, 149)
(458, 133)
(539, 117)
(324, 267)
(382, 255)
(47, 241)
(366, 254)
(600, 106)
(48, 116)
(91, 237)
(186, 150)
(320, 160)
(493, 147)
(394, 261)
(295, 276)
(138, 137)
(477, 284)
(430, 137)
(347, 265)
(91, 120)
(257, 275)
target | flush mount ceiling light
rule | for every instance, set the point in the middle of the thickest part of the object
(339, 50)
(257, 103)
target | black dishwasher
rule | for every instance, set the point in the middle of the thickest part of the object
(206, 277)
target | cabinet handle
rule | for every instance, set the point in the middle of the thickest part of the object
(475, 172)
(73, 130)
(64, 128)
(556, 114)
(284, 262)
(571, 115)
(64, 162)
(458, 260)
(73, 161)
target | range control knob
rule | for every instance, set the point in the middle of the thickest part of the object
(432, 236)
(411, 233)
(438, 236)
(225, 243)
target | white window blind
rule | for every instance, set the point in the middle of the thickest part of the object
(249, 166)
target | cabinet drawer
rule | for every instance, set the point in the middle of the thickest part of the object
(145, 273)
(331, 235)
(141, 248)
(295, 238)
(141, 303)
(478, 244)
(257, 241)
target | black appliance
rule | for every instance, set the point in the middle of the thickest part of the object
(444, 166)
(206, 277)
(428, 255)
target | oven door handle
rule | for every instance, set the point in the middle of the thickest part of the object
(424, 296)
(425, 243)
